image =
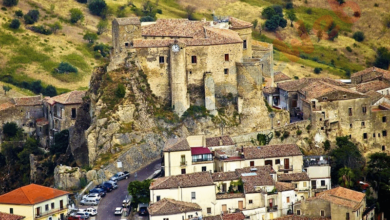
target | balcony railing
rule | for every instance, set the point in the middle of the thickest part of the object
(183, 163)
(201, 160)
(285, 168)
(272, 209)
(50, 212)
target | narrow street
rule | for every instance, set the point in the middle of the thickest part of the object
(114, 199)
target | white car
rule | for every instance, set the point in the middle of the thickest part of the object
(90, 211)
(118, 211)
(93, 196)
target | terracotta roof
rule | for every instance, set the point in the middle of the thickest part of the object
(266, 168)
(200, 150)
(384, 106)
(318, 89)
(281, 187)
(6, 216)
(6, 105)
(127, 21)
(261, 178)
(170, 206)
(296, 85)
(174, 28)
(382, 72)
(41, 121)
(233, 216)
(215, 141)
(183, 181)
(372, 85)
(279, 76)
(268, 151)
(224, 176)
(342, 196)
(28, 100)
(293, 177)
(375, 96)
(31, 194)
(300, 217)
(215, 217)
(73, 97)
(239, 24)
(230, 195)
(176, 144)
(271, 90)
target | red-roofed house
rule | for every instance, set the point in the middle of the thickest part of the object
(35, 202)
(6, 216)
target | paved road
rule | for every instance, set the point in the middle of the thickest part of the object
(114, 199)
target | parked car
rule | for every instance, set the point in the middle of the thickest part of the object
(91, 211)
(82, 214)
(114, 184)
(89, 202)
(107, 187)
(143, 209)
(92, 196)
(120, 176)
(118, 211)
(76, 217)
(126, 203)
(100, 191)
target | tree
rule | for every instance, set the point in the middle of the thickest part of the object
(102, 27)
(120, 91)
(320, 34)
(140, 191)
(36, 86)
(254, 23)
(15, 24)
(10, 129)
(90, 37)
(65, 67)
(282, 22)
(50, 91)
(317, 70)
(276, 21)
(6, 89)
(383, 58)
(98, 7)
(289, 5)
(61, 141)
(341, 2)
(31, 17)
(358, 36)
(146, 19)
(268, 12)
(278, 10)
(55, 27)
(76, 15)
(190, 10)
(346, 177)
(291, 16)
(10, 3)
(19, 13)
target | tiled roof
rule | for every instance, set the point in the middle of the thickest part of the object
(73, 97)
(28, 100)
(128, 20)
(230, 195)
(317, 89)
(372, 85)
(385, 105)
(296, 85)
(31, 194)
(342, 196)
(281, 187)
(6, 216)
(6, 105)
(239, 24)
(174, 28)
(279, 76)
(271, 90)
(293, 177)
(300, 217)
(200, 150)
(184, 180)
(176, 144)
(268, 151)
(215, 141)
(375, 96)
(41, 121)
(224, 176)
(266, 168)
(215, 217)
(262, 178)
(233, 216)
(384, 73)
(170, 206)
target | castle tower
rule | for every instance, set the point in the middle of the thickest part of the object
(124, 31)
(178, 75)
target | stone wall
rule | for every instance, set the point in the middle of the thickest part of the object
(246, 34)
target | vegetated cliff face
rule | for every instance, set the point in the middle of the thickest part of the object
(133, 129)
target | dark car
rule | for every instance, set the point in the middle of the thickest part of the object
(143, 211)
(106, 187)
(100, 191)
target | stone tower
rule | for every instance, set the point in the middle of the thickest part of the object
(124, 31)
(178, 76)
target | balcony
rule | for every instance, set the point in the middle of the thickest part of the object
(50, 212)
(183, 163)
(316, 161)
(201, 160)
(272, 209)
(285, 168)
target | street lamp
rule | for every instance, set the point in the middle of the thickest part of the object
(272, 116)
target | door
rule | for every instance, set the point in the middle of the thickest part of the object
(61, 204)
(268, 162)
(286, 163)
(224, 187)
(314, 184)
(183, 171)
(38, 211)
(270, 203)
(240, 205)
(252, 163)
(224, 208)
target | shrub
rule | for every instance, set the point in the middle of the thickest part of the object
(55, 27)
(159, 11)
(120, 91)
(50, 91)
(102, 27)
(358, 36)
(383, 58)
(19, 13)
(146, 19)
(286, 134)
(82, 1)
(356, 14)
(327, 145)
(276, 21)
(349, 49)
(317, 70)
(98, 7)
(376, 5)
(268, 12)
(15, 24)
(65, 67)
(10, 3)
(289, 5)
(299, 132)
(3, 8)
(277, 133)
(76, 15)
(31, 17)
(36, 86)
(102, 49)
(41, 29)
(308, 127)
(90, 37)
(10, 129)
(309, 11)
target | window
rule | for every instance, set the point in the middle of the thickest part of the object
(379, 135)
(244, 44)
(158, 198)
(363, 124)
(304, 184)
(313, 104)
(165, 218)
(350, 111)
(384, 133)
(161, 59)
(252, 163)
(183, 171)
(226, 57)
(364, 109)
(347, 216)
(350, 125)
(384, 119)
(193, 195)
(183, 160)
(209, 210)
(365, 136)
(313, 184)
(295, 185)
(322, 128)
(250, 201)
(322, 213)
(203, 169)
(61, 204)
(189, 216)
(52, 205)
(47, 207)
(298, 212)
(383, 148)
(277, 161)
(322, 182)
(73, 113)
(193, 59)
(126, 44)
(226, 71)
(324, 98)
(373, 135)
(11, 211)
(345, 96)
(288, 199)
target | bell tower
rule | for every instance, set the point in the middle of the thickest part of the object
(124, 31)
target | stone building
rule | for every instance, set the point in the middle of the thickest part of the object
(370, 74)
(194, 62)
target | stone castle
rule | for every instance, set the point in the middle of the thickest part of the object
(194, 62)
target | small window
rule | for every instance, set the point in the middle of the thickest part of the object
(244, 44)
(363, 124)
(384, 133)
(345, 96)
(226, 71)
(193, 196)
(364, 109)
(383, 148)
(384, 119)
(322, 128)
(288, 199)
(126, 44)
(250, 201)
(365, 136)
(350, 111)
(158, 198)
(190, 72)
(324, 98)
(165, 218)
(203, 169)
(47, 207)
(295, 185)
(298, 212)
(189, 216)
(226, 57)
(277, 161)
(322, 182)
(161, 59)
(322, 213)
(11, 210)
(313, 104)
(252, 163)
(52, 205)
(183, 171)
(347, 216)
(373, 135)
(379, 135)
(350, 125)
(209, 210)
(193, 59)
(73, 113)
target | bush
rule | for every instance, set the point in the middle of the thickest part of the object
(15, 24)
(82, 1)
(65, 67)
(309, 11)
(102, 49)
(159, 11)
(76, 15)
(146, 19)
(358, 36)
(383, 58)
(41, 29)
(289, 5)
(10, 3)
(31, 17)
(98, 7)
(349, 49)
(268, 12)
(10, 129)
(90, 37)
(36, 87)
(317, 70)
(277, 133)
(308, 127)
(299, 132)
(3, 8)
(376, 5)
(356, 14)
(286, 134)
(19, 13)
(276, 21)
(120, 91)
(50, 91)
(327, 145)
